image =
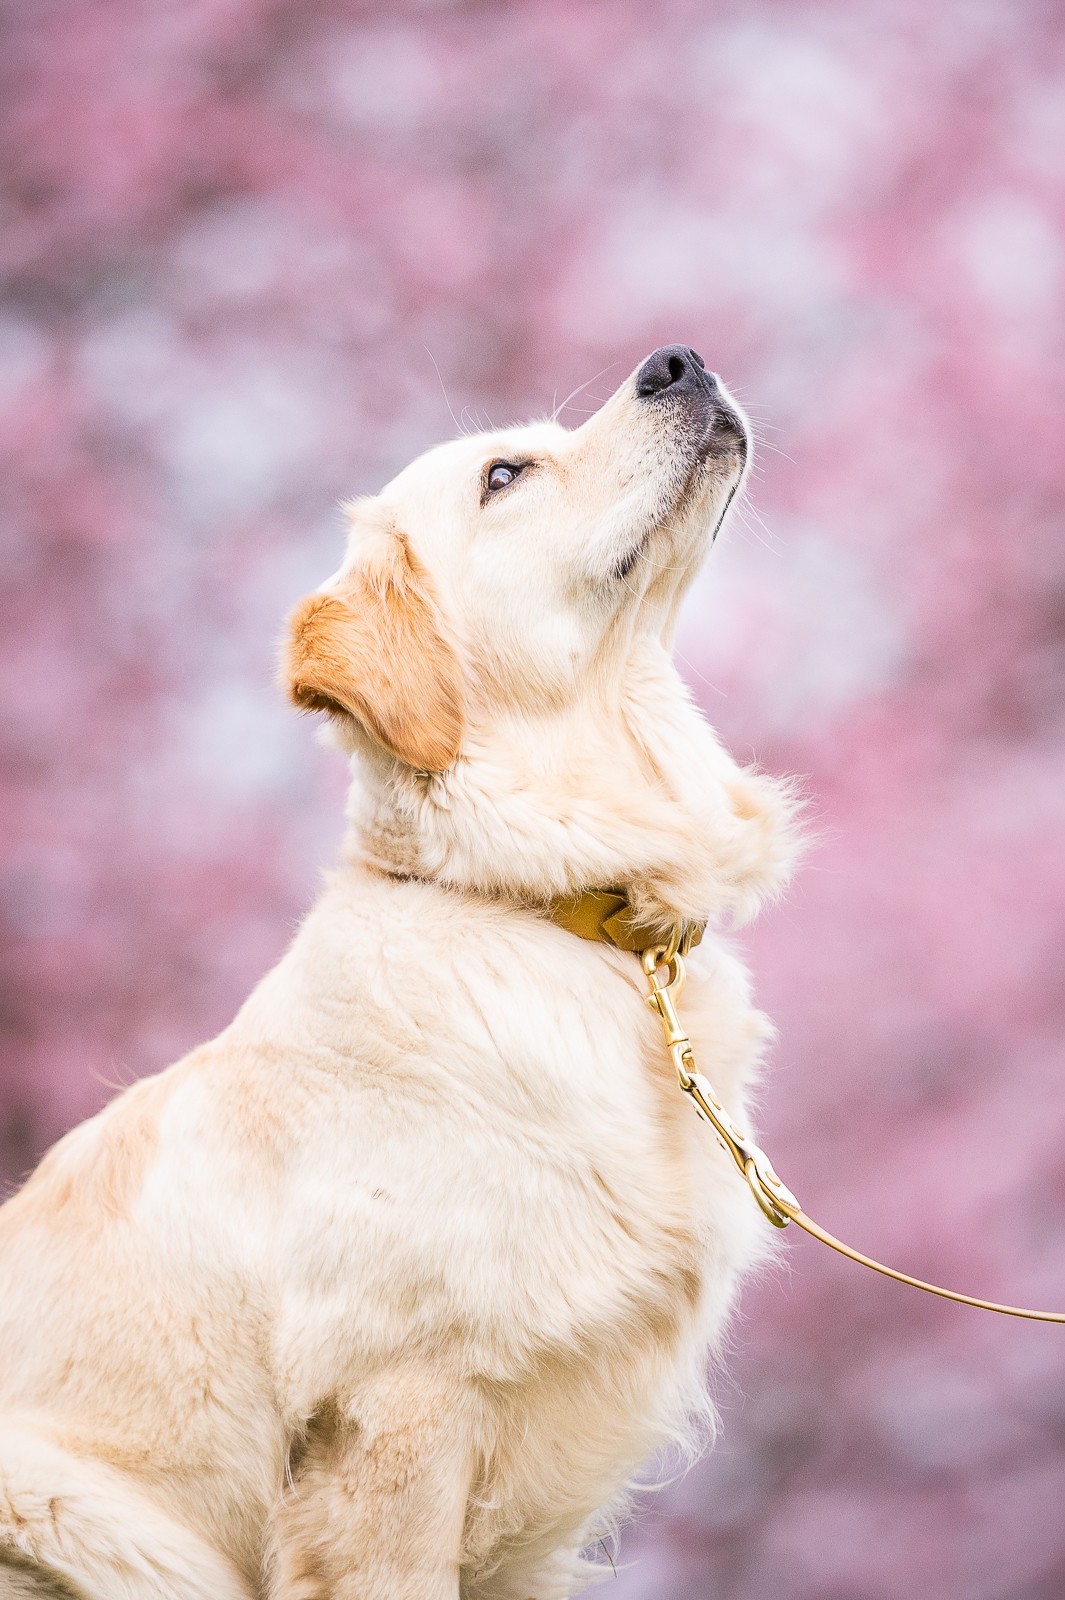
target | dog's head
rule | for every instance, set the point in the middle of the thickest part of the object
(504, 611)
(513, 566)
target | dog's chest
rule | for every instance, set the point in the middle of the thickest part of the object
(517, 1173)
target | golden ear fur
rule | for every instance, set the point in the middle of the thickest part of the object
(375, 650)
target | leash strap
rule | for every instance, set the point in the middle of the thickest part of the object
(664, 967)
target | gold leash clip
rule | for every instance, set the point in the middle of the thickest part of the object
(771, 1194)
(774, 1198)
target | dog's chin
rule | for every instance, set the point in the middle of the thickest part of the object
(712, 478)
(696, 511)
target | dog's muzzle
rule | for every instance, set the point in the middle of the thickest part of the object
(676, 377)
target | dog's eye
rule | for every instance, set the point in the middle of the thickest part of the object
(500, 473)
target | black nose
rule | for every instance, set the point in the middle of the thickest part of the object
(674, 368)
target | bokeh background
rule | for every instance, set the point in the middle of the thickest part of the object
(246, 245)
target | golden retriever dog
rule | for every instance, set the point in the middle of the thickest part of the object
(388, 1291)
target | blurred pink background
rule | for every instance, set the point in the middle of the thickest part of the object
(238, 239)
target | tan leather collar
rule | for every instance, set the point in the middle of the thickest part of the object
(605, 914)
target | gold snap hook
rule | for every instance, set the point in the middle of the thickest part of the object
(664, 967)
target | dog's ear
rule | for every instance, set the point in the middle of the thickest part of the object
(375, 648)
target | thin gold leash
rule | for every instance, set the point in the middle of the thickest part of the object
(774, 1198)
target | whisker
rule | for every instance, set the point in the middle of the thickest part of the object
(556, 413)
(767, 444)
(443, 391)
(610, 1558)
(770, 541)
(703, 679)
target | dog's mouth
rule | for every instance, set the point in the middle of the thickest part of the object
(713, 434)
(725, 436)
(622, 568)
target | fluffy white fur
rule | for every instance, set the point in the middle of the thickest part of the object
(389, 1290)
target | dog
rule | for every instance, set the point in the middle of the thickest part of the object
(389, 1290)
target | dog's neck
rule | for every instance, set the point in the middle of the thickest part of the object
(648, 803)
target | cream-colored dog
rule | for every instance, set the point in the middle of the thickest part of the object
(387, 1292)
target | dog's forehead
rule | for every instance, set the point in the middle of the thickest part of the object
(456, 466)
